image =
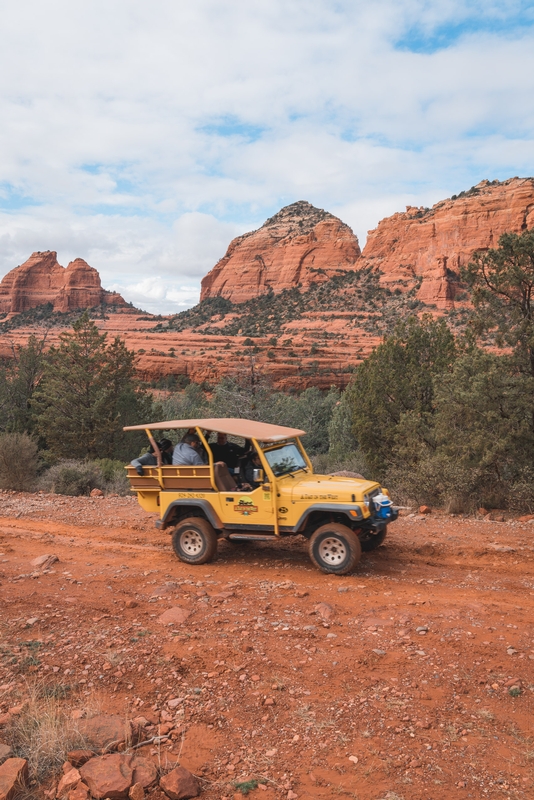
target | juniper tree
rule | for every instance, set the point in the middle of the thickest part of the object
(87, 393)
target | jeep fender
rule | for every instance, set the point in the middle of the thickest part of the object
(352, 512)
(189, 505)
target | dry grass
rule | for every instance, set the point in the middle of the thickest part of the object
(44, 731)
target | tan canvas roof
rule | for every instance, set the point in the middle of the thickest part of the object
(247, 428)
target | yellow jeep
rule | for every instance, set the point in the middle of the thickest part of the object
(340, 516)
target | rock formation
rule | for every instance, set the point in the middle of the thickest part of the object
(431, 245)
(42, 280)
(300, 245)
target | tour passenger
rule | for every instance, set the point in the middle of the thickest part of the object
(186, 453)
(253, 463)
(150, 460)
(229, 452)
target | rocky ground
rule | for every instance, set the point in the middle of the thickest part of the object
(412, 678)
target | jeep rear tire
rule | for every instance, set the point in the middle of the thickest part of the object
(370, 541)
(335, 548)
(194, 541)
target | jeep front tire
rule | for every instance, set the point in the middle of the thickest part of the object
(194, 541)
(335, 548)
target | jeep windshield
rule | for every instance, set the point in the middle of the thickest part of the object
(285, 459)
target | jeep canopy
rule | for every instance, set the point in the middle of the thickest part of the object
(246, 428)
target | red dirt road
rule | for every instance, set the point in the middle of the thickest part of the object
(348, 700)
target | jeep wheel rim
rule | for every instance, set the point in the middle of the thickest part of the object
(191, 543)
(332, 551)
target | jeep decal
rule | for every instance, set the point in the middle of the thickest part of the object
(246, 507)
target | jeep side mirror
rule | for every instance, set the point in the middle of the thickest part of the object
(257, 475)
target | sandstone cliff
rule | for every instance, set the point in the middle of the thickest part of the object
(431, 245)
(299, 246)
(41, 279)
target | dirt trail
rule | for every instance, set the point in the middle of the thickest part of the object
(420, 665)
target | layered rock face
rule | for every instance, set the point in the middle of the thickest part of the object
(41, 279)
(299, 246)
(433, 244)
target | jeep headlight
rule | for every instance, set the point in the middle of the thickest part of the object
(367, 499)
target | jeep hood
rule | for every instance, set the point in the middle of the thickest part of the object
(328, 487)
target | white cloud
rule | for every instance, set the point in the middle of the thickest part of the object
(149, 135)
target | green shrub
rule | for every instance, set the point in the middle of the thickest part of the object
(18, 462)
(73, 478)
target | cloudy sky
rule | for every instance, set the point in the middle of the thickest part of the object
(143, 136)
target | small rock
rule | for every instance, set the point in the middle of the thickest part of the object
(81, 792)
(324, 610)
(97, 493)
(179, 784)
(175, 615)
(291, 795)
(13, 777)
(380, 652)
(246, 648)
(526, 518)
(136, 792)
(5, 752)
(108, 776)
(301, 593)
(255, 678)
(44, 562)
(271, 753)
(32, 621)
(68, 782)
(354, 759)
(513, 682)
(144, 771)
(483, 512)
(131, 604)
(511, 651)
(425, 510)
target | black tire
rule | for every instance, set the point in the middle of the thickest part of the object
(194, 541)
(334, 548)
(370, 541)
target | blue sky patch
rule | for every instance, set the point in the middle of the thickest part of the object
(418, 39)
(232, 126)
(11, 199)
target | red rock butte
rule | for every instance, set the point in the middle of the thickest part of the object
(299, 246)
(302, 245)
(41, 279)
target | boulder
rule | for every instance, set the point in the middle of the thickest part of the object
(13, 778)
(179, 784)
(5, 752)
(105, 732)
(108, 776)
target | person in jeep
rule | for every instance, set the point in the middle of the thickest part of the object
(149, 459)
(186, 453)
